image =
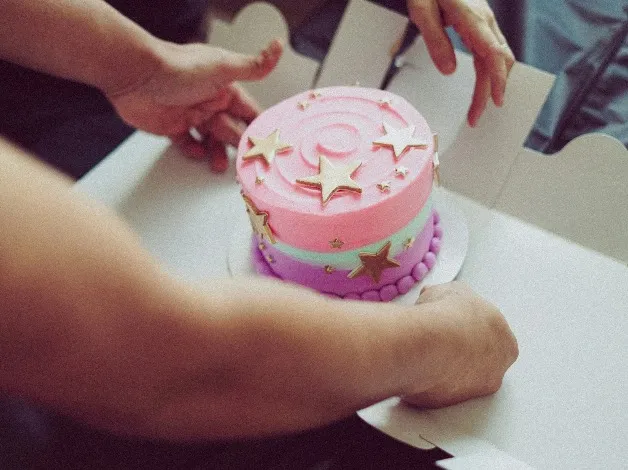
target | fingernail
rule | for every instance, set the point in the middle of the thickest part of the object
(448, 67)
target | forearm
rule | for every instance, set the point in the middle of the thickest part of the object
(82, 40)
(92, 327)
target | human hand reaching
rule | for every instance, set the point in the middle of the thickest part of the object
(192, 91)
(475, 22)
(476, 347)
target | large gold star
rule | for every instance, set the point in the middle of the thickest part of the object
(331, 179)
(399, 140)
(266, 148)
(259, 221)
(374, 264)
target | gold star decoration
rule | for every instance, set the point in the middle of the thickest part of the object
(384, 186)
(331, 179)
(315, 94)
(409, 243)
(304, 105)
(259, 221)
(330, 269)
(374, 264)
(266, 148)
(270, 259)
(401, 171)
(336, 244)
(259, 180)
(399, 140)
(385, 102)
(262, 247)
(436, 161)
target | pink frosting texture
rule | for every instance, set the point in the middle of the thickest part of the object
(340, 123)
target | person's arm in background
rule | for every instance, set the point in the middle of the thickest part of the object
(155, 85)
(92, 327)
(475, 22)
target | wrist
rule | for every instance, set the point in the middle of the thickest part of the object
(127, 70)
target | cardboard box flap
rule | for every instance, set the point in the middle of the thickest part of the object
(580, 193)
(253, 28)
(362, 46)
(475, 162)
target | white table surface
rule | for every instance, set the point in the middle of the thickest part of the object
(563, 404)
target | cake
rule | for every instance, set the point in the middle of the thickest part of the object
(337, 184)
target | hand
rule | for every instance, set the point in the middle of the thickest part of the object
(475, 22)
(478, 347)
(193, 90)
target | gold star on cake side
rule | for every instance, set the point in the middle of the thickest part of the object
(266, 148)
(374, 264)
(336, 243)
(409, 243)
(259, 221)
(399, 140)
(331, 179)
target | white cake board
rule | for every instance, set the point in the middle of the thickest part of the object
(448, 262)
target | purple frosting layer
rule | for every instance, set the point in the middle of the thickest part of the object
(414, 265)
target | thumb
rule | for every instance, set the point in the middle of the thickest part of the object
(236, 67)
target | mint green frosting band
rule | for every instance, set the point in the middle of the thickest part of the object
(346, 259)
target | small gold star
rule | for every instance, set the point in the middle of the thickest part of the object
(259, 221)
(315, 95)
(399, 140)
(259, 180)
(385, 102)
(374, 264)
(330, 269)
(331, 179)
(270, 259)
(384, 186)
(337, 244)
(436, 161)
(262, 247)
(304, 105)
(401, 171)
(409, 243)
(266, 148)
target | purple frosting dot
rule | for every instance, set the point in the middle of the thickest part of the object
(429, 259)
(438, 231)
(405, 284)
(371, 296)
(389, 292)
(419, 272)
(353, 296)
(435, 245)
(436, 217)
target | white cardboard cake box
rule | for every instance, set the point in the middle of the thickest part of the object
(579, 194)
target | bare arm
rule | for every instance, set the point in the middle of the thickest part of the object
(82, 40)
(92, 327)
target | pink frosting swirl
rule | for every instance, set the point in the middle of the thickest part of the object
(341, 123)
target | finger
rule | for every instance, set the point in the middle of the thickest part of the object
(218, 159)
(507, 51)
(427, 16)
(486, 45)
(190, 146)
(223, 128)
(481, 92)
(236, 66)
(242, 105)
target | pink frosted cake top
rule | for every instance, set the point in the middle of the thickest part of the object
(377, 148)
